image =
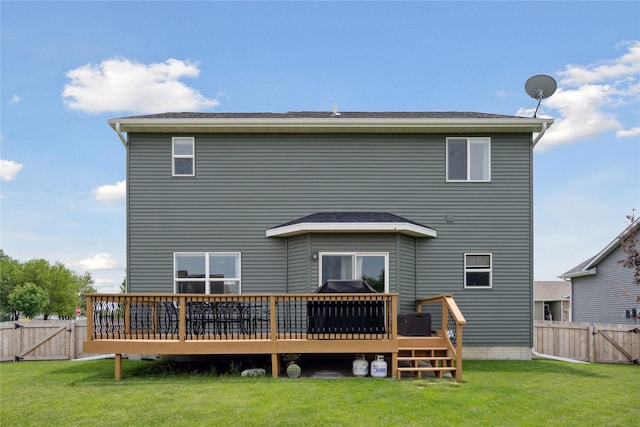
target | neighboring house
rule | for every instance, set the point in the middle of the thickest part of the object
(602, 290)
(418, 203)
(552, 300)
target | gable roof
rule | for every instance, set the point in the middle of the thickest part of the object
(329, 122)
(588, 267)
(351, 222)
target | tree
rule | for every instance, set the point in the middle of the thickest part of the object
(10, 278)
(630, 245)
(63, 288)
(85, 286)
(28, 299)
(123, 286)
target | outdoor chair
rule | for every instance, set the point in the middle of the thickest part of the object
(171, 316)
(199, 316)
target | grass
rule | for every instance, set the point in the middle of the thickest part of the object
(492, 393)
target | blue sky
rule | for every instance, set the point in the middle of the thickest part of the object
(69, 66)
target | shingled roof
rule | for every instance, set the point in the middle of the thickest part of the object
(328, 114)
(328, 122)
(588, 267)
(351, 222)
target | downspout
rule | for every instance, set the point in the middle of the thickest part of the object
(545, 126)
(562, 359)
(123, 139)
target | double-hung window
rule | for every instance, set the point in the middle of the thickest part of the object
(183, 156)
(371, 267)
(206, 272)
(478, 271)
(469, 159)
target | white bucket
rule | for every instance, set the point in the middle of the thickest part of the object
(379, 367)
(360, 367)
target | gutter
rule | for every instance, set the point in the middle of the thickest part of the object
(329, 125)
(543, 130)
(116, 128)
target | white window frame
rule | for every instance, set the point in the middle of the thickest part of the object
(207, 279)
(354, 256)
(175, 156)
(469, 141)
(468, 269)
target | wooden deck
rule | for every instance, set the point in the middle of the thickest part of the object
(274, 324)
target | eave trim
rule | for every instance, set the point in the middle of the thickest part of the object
(351, 227)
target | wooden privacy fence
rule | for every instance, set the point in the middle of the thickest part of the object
(589, 342)
(42, 340)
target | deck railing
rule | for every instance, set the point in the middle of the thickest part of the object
(191, 317)
(447, 320)
(273, 324)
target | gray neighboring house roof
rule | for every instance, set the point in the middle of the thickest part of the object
(341, 222)
(588, 267)
(551, 290)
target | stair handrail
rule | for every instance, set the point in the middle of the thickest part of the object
(453, 338)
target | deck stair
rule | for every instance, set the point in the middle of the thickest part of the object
(424, 356)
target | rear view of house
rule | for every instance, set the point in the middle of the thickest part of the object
(417, 204)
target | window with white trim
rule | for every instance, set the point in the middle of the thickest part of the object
(183, 156)
(469, 159)
(371, 267)
(206, 272)
(478, 270)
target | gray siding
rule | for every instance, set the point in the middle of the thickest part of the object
(604, 297)
(247, 184)
(298, 264)
(406, 273)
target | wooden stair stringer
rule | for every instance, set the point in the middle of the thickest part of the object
(424, 355)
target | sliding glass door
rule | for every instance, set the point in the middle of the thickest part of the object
(371, 267)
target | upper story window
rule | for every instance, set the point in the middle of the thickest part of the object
(469, 159)
(368, 266)
(478, 271)
(184, 156)
(206, 272)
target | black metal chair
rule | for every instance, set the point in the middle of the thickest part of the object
(230, 317)
(171, 316)
(199, 316)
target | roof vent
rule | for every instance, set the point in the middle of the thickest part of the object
(335, 111)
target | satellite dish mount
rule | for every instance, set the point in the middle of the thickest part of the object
(539, 87)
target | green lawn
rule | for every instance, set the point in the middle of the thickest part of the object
(492, 393)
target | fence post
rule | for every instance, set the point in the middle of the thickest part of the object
(591, 343)
(72, 340)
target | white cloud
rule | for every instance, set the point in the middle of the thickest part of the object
(593, 99)
(9, 169)
(15, 99)
(121, 84)
(99, 261)
(624, 66)
(629, 132)
(110, 192)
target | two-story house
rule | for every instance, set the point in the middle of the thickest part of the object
(418, 204)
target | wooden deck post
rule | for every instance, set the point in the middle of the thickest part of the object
(273, 330)
(118, 367)
(182, 322)
(90, 331)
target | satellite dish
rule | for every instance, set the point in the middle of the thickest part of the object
(539, 87)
